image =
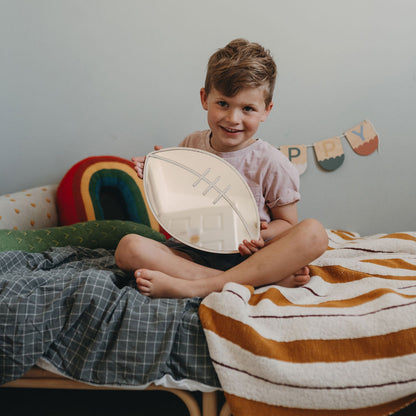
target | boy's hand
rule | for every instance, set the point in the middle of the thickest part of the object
(247, 248)
(139, 163)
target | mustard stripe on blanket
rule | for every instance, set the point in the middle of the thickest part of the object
(344, 344)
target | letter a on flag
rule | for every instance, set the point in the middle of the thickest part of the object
(363, 138)
(297, 155)
(329, 153)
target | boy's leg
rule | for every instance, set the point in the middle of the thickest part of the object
(276, 263)
(135, 251)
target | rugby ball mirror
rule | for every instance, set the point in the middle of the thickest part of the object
(200, 199)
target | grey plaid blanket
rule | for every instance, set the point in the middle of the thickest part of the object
(73, 307)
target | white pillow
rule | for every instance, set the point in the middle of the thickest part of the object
(33, 208)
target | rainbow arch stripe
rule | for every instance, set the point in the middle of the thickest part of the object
(78, 194)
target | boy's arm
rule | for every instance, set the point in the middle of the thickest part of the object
(283, 218)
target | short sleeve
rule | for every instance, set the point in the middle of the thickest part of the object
(281, 181)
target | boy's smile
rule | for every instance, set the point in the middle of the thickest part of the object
(234, 120)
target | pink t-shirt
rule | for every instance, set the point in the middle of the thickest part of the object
(273, 180)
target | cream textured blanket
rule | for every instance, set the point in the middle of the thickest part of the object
(344, 344)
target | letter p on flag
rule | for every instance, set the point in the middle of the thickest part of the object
(297, 155)
(329, 153)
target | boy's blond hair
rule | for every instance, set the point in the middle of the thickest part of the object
(241, 64)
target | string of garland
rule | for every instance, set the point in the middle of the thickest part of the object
(329, 153)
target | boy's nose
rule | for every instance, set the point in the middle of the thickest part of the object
(233, 117)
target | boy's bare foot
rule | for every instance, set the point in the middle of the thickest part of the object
(300, 278)
(156, 284)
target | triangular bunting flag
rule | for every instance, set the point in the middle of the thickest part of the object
(297, 155)
(329, 153)
(363, 138)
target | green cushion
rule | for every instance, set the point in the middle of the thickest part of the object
(92, 234)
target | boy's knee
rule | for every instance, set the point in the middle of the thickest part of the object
(125, 249)
(124, 242)
(315, 234)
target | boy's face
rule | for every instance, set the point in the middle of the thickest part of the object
(234, 120)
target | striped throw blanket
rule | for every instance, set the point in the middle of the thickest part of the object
(344, 344)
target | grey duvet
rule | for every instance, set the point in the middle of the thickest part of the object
(73, 308)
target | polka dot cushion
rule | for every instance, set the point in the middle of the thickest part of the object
(31, 209)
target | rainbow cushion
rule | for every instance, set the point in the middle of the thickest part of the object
(103, 188)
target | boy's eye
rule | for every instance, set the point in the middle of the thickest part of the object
(222, 104)
(248, 109)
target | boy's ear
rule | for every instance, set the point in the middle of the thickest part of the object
(204, 98)
(267, 111)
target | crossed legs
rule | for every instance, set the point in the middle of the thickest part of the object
(163, 272)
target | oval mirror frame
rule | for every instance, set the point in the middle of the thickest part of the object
(200, 199)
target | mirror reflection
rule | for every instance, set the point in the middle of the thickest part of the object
(200, 199)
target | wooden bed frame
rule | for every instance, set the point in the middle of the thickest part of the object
(38, 378)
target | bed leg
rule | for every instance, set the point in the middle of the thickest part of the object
(210, 404)
(225, 411)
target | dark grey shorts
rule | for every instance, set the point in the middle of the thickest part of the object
(212, 260)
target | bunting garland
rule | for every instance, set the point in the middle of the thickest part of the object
(329, 153)
(363, 138)
(297, 155)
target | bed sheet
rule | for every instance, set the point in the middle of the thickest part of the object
(344, 344)
(72, 308)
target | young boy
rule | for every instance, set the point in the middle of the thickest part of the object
(237, 97)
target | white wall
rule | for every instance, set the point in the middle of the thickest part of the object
(94, 77)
